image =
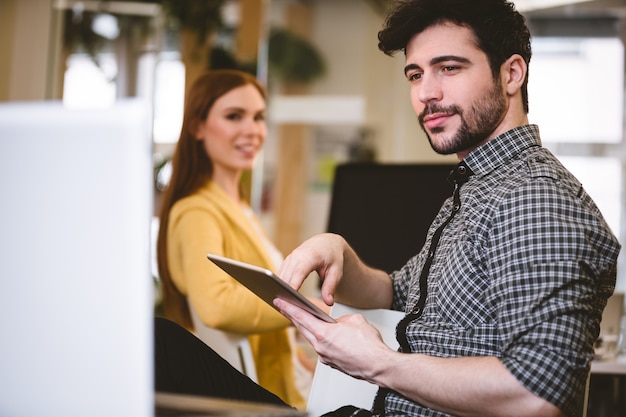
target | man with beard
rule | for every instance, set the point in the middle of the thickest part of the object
(503, 303)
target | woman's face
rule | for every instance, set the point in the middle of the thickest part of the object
(234, 130)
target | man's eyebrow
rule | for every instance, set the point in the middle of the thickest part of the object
(444, 58)
(410, 67)
(438, 60)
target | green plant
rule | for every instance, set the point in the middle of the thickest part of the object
(200, 16)
(292, 58)
(78, 34)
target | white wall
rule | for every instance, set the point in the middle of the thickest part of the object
(346, 34)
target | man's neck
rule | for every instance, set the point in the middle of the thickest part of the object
(507, 124)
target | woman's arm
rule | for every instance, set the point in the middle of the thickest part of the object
(219, 300)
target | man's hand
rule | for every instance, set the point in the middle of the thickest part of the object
(463, 386)
(352, 345)
(322, 253)
(345, 278)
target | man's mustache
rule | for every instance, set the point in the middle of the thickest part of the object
(435, 108)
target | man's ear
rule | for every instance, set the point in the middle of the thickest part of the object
(513, 73)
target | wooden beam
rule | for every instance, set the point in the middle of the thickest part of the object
(292, 180)
(249, 32)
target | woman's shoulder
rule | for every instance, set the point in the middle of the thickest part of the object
(201, 200)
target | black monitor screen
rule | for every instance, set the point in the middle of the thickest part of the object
(384, 210)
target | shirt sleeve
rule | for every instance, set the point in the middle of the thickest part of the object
(551, 257)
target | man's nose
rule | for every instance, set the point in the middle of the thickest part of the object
(429, 89)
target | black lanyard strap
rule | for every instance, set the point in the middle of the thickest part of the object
(458, 176)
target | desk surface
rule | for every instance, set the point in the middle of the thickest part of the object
(616, 366)
(181, 405)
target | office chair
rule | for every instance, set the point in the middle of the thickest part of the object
(233, 347)
(384, 210)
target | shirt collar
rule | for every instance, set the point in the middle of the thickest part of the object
(502, 148)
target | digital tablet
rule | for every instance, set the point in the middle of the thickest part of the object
(266, 285)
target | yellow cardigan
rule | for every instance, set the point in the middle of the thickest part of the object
(209, 221)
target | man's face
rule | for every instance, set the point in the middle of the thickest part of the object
(459, 104)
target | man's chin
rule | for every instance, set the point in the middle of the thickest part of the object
(444, 151)
(438, 148)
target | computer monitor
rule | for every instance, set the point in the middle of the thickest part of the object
(76, 298)
(384, 210)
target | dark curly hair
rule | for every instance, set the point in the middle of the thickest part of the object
(500, 30)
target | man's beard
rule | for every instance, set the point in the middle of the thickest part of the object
(481, 120)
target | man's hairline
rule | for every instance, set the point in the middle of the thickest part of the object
(443, 21)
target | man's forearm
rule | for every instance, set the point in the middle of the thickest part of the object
(468, 386)
(363, 286)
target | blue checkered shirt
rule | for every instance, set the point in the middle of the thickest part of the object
(522, 272)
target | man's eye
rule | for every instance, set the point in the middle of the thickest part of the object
(414, 77)
(450, 68)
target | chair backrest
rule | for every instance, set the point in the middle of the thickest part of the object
(233, 347)
(384, 210)
(331, 388)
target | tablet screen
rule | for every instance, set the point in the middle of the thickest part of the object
(265, 284)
